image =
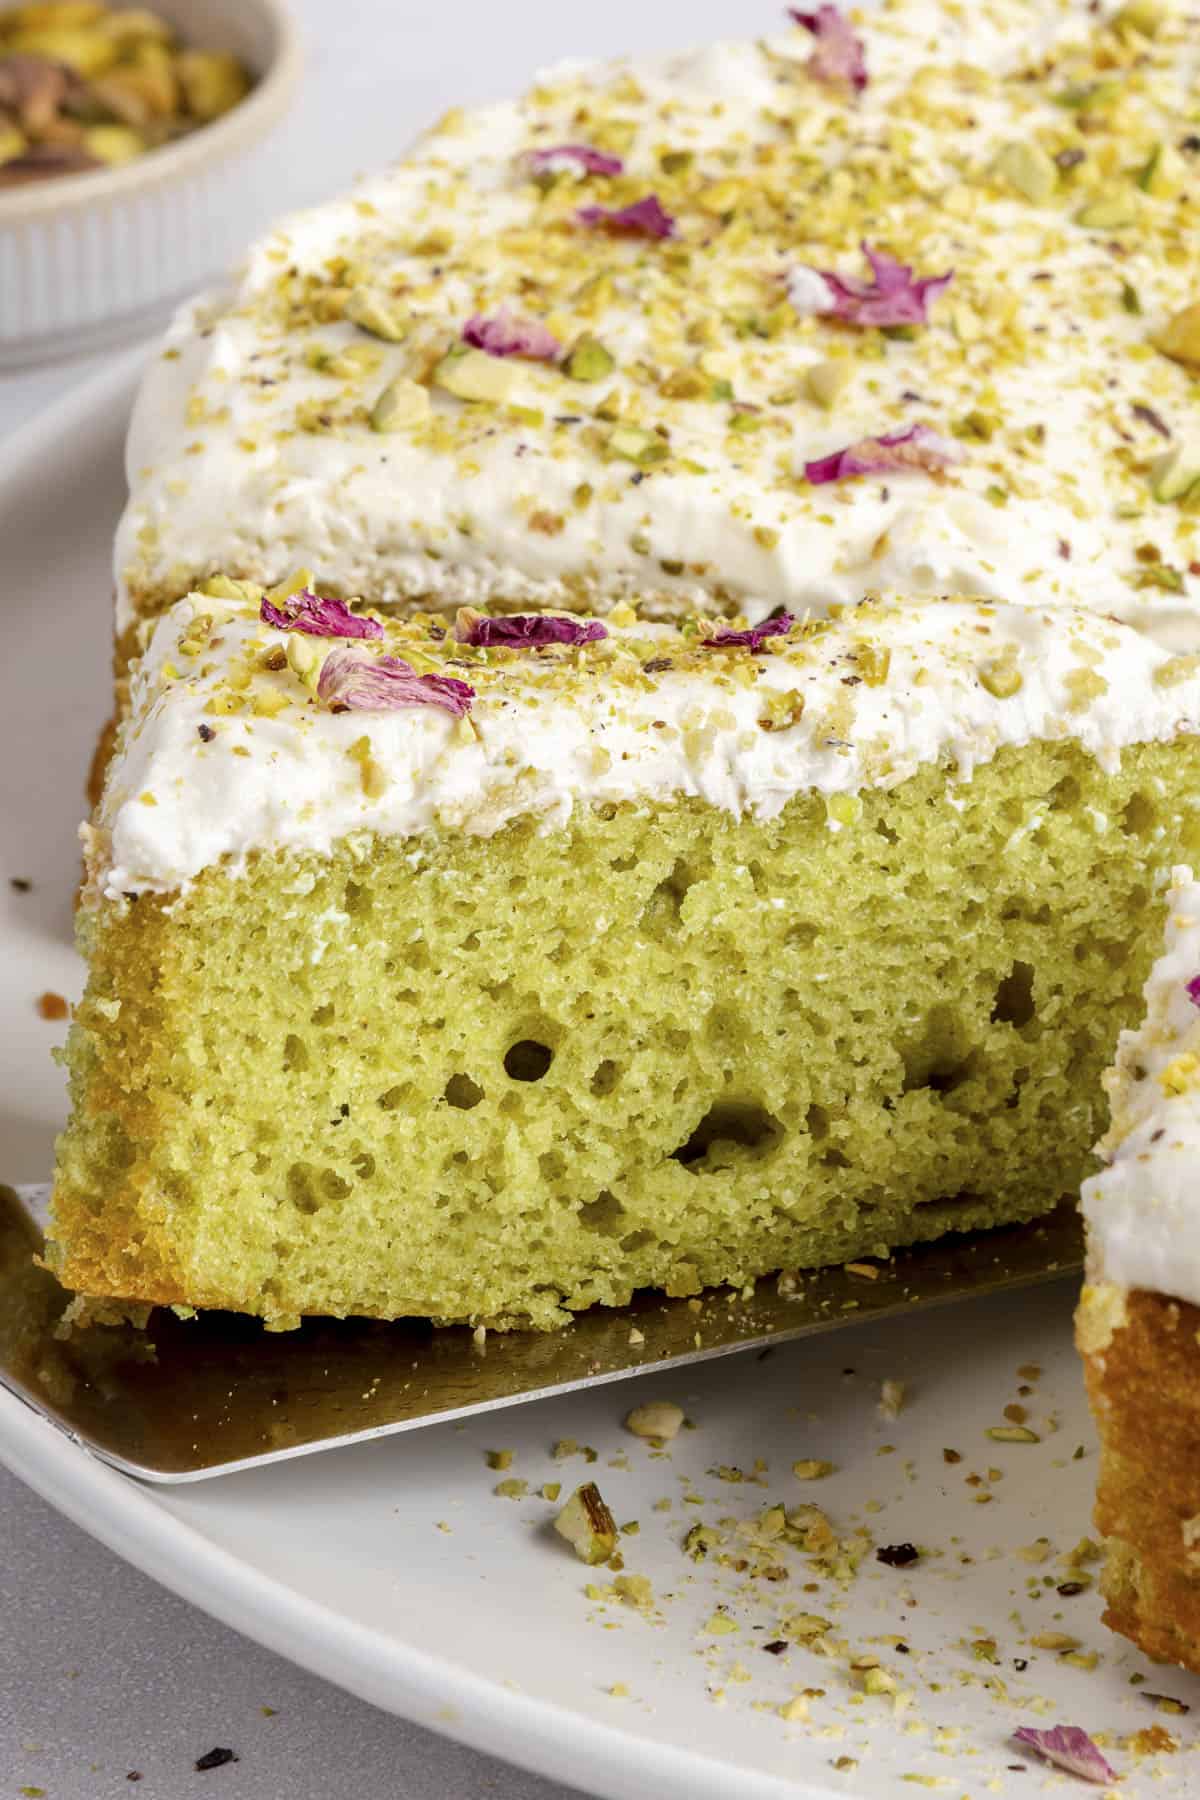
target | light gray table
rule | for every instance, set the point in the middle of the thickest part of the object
(101, 1671)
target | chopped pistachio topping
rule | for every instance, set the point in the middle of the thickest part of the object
(589, 361)
(588, 1525)
(655, 1419)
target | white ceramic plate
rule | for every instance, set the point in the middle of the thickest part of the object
(394, 1569)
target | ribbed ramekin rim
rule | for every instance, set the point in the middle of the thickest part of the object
(245, 123)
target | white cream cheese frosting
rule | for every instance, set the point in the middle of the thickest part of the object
(1143, 1209)
(228, 748)
(1043, 154)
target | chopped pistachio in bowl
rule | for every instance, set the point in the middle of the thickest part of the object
(84, 85)
(125, 134)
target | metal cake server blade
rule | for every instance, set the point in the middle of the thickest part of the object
(188, 1399)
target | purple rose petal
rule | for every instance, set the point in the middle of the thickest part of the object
(1068, 1747)
(892, 298)
(916, 448)
(754, 639)
(839, 58)
(645, 218)
(585, 159)
(528, 631)
(504, 334)
(353, 682)
(317, 617)
(1192, 989)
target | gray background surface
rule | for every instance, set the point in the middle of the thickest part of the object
(101, 1671)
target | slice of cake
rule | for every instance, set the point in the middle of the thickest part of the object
(493, 968)
(907, 302)
(1139, 1318)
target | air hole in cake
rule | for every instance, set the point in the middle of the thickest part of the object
(602, 1215)
(324, 1015)
(835, 1159)
(664, 904)
(462, 1092)
(948, 1201)
(1140, 816)
(1014, 997)
(1066, 794)
(1019, 1078)
(814, 1024)
(364, 1165)
(816, 1121)
(606, 1077)
(551, 1166)
(740, 1124)
(940, 1058)
(885, 831)
(637, 1240)
(395, 1097)
(527, 1060)
(301, 1182)
(803, 933)
(725, 1029)
(623, 864)
(295, 1052)
(358, 900)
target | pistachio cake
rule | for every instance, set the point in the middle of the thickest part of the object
(907, 300)
(489, 968)
(1139, 1317)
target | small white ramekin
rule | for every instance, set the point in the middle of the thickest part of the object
(86, 260)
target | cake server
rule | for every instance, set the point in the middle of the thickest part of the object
(187, 1399)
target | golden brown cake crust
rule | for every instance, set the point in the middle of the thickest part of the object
(101, 757)
(1144, 1384)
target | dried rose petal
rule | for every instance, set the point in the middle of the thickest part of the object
(754, 639)
(1068, 1747)
(1192, 989)
(506, 335)
(318, 617)
(584, 158)
(892, 298)
(645, 218)
(526, 631)
(353, 682)
(916, 448)
(839, 57)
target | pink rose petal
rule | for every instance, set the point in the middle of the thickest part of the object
(839, 58)
(1068, 1747)
(892, 298)
(753, 639)
(916, 448)
(504, 334)
(1192, 989)
(317, 617)
(351, 681)
(580, 156)
(645, 218)
(530, 630)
